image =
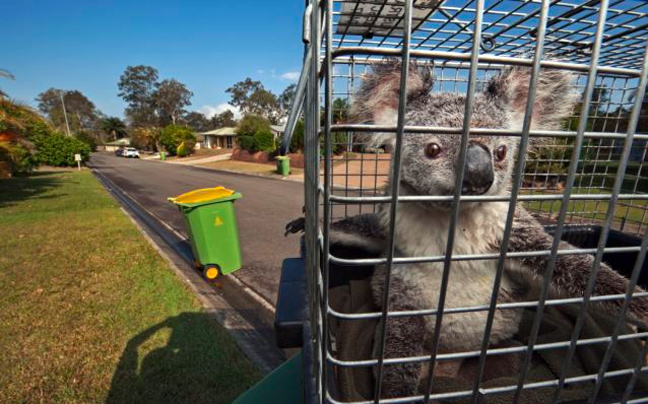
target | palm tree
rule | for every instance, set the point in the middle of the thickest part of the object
(7, 75)
(15, 149)
(114, 127)
(15, 116)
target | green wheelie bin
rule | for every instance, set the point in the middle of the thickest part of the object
(213, 233)
(283, 165)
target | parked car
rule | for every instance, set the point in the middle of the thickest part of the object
(131, 152)
(119, 152)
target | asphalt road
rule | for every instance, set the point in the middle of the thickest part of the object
(262, 213)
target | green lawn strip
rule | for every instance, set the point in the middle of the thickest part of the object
(244, 166)
(91, 313)
(630, 210)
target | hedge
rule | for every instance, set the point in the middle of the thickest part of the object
(246, 142)
(57, 149)
(264, 141)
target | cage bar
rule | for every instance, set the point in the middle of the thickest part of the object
(586, 180)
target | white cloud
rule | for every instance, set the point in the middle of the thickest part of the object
(210, 111)
(291, 76)
(261, 71)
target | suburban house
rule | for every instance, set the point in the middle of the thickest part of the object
(277, 130)
(223, 138)
(117, 144)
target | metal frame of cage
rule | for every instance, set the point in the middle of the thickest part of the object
(600, 39)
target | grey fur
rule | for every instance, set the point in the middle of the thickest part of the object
(421, 228)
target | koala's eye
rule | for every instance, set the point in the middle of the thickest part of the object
(432, 150)
(500, 153)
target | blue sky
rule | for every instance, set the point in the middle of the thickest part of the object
(208, 45)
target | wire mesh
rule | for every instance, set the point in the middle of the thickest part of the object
(584, 181)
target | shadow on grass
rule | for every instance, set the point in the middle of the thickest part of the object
(190, 368)
(17, 189)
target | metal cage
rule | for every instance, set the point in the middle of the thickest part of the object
(587, 181)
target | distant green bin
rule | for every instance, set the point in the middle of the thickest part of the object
(213, 232)
(162, 156)
(283, 165)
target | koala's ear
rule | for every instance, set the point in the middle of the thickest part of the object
(377, 100)
(554, 98)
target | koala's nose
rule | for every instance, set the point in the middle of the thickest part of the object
(478, 173)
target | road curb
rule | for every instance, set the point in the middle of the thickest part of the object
(277, 178)
(224, 170)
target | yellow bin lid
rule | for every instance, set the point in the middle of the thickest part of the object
(202, 195)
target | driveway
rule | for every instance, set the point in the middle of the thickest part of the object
(267, 205)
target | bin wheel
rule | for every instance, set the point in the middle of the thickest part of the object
(211, 272)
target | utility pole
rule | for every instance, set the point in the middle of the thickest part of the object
(67, 125)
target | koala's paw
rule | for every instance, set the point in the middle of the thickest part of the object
(638, 310)
(400, 380)
(295, 226)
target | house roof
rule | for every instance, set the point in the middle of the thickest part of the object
(278, 128)
(227, 131)
(120, 142)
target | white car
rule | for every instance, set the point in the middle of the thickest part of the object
(130, 152)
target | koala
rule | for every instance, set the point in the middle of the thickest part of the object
(429, 166)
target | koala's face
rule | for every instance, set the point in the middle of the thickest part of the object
(430, 162)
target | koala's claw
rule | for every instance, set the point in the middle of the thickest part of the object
(295, 226)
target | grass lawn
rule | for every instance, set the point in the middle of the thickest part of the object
(91, 313)
(264, 169)
(631, 210)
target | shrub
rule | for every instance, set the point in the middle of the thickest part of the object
(297, 140)
(185, 148)
(172, 136)
(246, 142)
(251, 124)
(264, 141)
(37, 129)
(57, 149)
(87, 138)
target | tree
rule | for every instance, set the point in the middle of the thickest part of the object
(286, 99)
(87, 138)
(297, 140)
(16, 123)
(146, 138)
(171, 97)
(223, 120)
(196, 121)
(137, 86)
(241, 91)
(6, 75)
(172, 136)
(264, 141)
(113, 127)
(251, 124)
(81, 112)
(252, 98)
(341, 110)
